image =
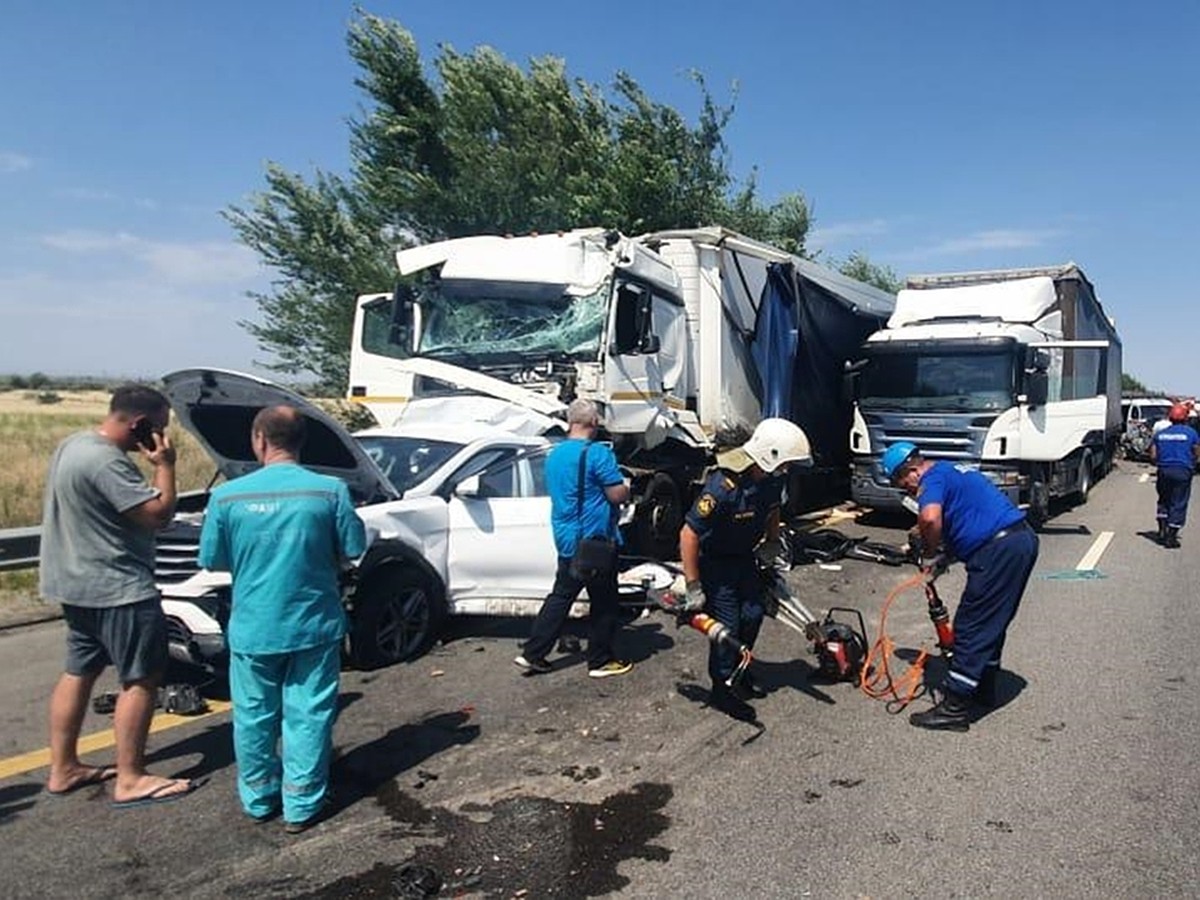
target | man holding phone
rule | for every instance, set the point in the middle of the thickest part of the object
(97, 561)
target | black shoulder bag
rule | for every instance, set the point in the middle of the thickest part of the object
(595, 555)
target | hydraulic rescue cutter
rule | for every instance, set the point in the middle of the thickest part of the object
(841, 649)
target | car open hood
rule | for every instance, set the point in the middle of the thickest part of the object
(218, 406)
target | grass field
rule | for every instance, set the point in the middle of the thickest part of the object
(29, 432)
(30, 429)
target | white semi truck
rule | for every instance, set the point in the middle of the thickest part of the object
(1016, 372)
(678, 335)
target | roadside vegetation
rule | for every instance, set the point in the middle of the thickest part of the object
(33, 419)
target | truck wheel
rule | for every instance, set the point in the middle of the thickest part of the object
(1039, 505)
(1085, 480)
(660, 516)
(398, 613)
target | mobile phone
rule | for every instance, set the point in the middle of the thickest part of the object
(143, 433)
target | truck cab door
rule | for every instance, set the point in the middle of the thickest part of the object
(633, 376)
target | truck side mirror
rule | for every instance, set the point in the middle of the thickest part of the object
(1037, 388)
(400, 331)
(650, 345)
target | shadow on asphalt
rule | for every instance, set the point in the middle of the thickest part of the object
(364, 770)
(796, 674)
(214, 746)
(637, 639)
(16, 798)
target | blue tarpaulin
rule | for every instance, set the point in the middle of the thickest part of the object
(775, 339)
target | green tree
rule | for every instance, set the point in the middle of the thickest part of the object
(859, 267)
(482, 147)
(1132, 385)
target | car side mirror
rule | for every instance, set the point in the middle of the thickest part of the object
(468, 488)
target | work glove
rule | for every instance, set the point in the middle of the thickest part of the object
(915, 548)
(694, 598)
(769, 554)
(938, 565)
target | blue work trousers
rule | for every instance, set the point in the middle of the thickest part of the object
(735, 594)
(1174, 490)
(284, 707)
(996, 577)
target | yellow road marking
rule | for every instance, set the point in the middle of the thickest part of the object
(39, 759)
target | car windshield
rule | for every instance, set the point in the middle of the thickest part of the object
(941, 382)
(406, 461)
(1152, 414)
(473, 319)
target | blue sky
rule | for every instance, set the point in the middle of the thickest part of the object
(936, 136)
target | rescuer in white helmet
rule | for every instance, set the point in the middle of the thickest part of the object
(737, 513)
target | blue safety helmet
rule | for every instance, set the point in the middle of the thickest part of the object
(895, 456)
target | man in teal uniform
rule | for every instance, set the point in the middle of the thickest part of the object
(284, 533)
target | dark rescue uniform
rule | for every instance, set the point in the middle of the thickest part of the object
(730, 517)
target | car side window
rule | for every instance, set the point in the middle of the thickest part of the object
(482, 460)
(499, 481)
(537, 471)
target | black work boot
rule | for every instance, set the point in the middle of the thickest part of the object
(1172, 540)
(952, 713)
(746, 688)
(985, 694)
(728, 702)
(1162, 531)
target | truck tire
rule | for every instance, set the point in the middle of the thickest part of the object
(659, 518)
(1084, 484)
(1039, 505)
(399, 611)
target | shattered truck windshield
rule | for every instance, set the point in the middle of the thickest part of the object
(943, 382)
(506, 319)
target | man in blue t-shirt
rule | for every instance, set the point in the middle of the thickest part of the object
(283, 533)
(1175, 451)
(964, 516)
(586, 488)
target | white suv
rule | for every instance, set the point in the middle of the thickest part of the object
(456, 510)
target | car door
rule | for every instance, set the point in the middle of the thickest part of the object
(501, 550)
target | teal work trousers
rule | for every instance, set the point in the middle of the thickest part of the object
(284, 707)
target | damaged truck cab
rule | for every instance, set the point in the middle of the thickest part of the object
(679, 336)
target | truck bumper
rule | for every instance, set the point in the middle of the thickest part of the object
(868, 489)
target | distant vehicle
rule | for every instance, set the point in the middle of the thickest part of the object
(1139, 417)
(457, 512)
(1016, 372)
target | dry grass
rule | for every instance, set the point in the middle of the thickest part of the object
(30, 430)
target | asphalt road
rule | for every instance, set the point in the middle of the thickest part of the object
(1084, 783)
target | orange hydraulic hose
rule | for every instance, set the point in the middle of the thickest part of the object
(877, 681)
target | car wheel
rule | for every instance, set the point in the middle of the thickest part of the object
(398, 613)
(660, 516)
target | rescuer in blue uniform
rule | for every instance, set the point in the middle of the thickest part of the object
(966, 515)
(737, 514)
(1175, 451)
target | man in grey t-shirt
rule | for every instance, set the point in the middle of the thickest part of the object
(97, 560)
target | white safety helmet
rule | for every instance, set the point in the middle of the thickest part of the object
(776, 442)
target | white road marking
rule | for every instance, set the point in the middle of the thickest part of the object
(1143, 478)
(1095, 551)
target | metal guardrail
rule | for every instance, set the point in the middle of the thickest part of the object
(19, 548)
